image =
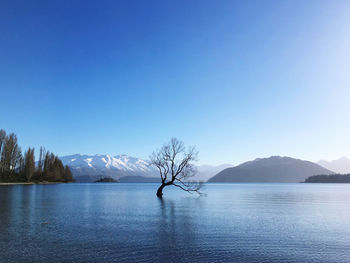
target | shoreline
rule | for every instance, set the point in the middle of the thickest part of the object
(11, 183)
(27, 183)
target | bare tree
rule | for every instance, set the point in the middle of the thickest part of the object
(175, 165)
(2, 143)
(42, 155)
(29, 164)
(2, 139)
(11, 154)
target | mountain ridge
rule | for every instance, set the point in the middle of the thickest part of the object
(272, 169)
(89, 168)
(341, 165)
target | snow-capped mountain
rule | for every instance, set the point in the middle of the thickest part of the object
(91, 167)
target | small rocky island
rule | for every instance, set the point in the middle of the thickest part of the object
(106, 180)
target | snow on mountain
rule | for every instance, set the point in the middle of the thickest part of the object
(88, 168)
(341, 165)
(96, 166)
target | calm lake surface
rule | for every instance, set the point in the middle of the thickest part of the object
(127, 223)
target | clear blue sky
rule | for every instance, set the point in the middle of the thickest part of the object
(238, 79)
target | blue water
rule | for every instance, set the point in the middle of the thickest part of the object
(127, 223)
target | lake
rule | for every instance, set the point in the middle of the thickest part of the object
(127, 223)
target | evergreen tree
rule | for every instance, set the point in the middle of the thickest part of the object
(39, 174)
(58, 170)
(54, 171)
(68, 176)
(15, 167)
(48, 166)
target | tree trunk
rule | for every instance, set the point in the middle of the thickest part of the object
(160, 191)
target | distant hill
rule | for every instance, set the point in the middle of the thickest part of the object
(86, 178)
(205, 172)
(341, 165)
(273, 169)
(333, 178)
(138, 179)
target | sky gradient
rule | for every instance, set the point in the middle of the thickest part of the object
(237, 79)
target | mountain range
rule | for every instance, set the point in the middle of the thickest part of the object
(124, 168)
(273, 169)
(89, 168)
(341, 165)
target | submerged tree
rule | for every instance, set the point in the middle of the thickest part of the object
(175, 165)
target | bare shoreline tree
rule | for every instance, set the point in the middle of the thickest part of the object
(175, 165)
